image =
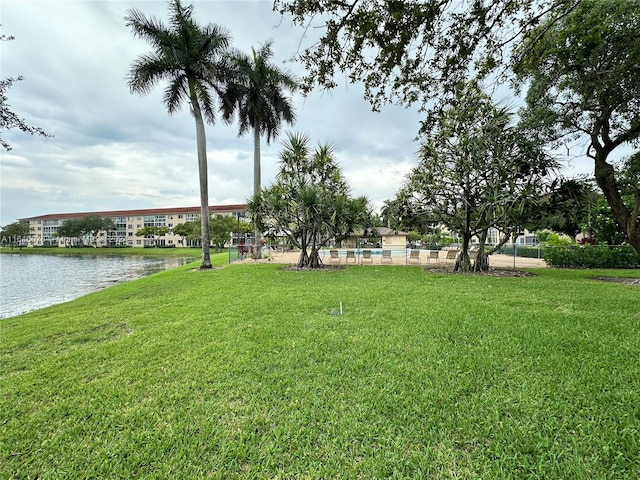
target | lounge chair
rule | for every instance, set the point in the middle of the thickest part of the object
(414, 256)
(451, 255)
(386, 256)
(433, 255)
(351, 255)
(334, 256)
(366, 255)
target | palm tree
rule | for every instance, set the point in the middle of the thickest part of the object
(192, 58)
(257, 93)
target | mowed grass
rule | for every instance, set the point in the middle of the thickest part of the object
(250, 372)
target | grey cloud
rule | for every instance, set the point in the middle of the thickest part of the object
(75, 57)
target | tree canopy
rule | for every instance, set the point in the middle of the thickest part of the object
(153, 232)
(477, 171)
(309, 202)
(258, 93)
(583, 78)
(412, 51)
(8, 118)
(87, 226)
(15, 233)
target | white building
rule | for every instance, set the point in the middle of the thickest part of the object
(43, 229)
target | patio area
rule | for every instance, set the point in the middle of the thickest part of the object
(398, 257)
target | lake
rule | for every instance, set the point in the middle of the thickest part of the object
(29, 282)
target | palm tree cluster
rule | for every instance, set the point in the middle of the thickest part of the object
(309, 202)
(202, 70)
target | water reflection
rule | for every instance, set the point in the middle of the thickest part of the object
(28, 282)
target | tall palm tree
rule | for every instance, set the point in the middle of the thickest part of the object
(192, 59)
(257, 93)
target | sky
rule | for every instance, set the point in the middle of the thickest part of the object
(113, 150)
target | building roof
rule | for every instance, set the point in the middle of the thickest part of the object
(239, 207)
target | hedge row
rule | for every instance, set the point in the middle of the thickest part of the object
(592, 256)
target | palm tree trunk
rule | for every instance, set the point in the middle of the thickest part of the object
(257, 178)
(201, 142)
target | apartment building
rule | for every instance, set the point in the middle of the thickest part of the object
(43, 229)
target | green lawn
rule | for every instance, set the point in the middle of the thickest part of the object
(247, 372)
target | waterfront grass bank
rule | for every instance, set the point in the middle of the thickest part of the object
(250, 371)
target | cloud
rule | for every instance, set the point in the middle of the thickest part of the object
(115, 150)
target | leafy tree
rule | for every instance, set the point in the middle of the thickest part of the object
(583, 73)
(193, 59)
(188, 231)
(412, 50)
(565, 209)
(221, 228)
(153, 231)
(476, 172)
(390, 213)
(88, 226)
(600, 223)
(15, 233)
(604, 228)
(71, 228)
(309, 201)
(257, 94)
(551, 239)
(8, 118)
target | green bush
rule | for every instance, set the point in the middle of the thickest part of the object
(592, 256)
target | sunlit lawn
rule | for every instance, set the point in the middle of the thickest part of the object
(249, 371)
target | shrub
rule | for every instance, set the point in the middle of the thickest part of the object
(591, 256)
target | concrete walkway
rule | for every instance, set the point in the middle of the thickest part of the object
(495, 260)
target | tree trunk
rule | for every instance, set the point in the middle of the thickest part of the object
(257, 179)
(482, 259)
(605, 178)
(463, 263)
(314, 260)
(303, 259)
(201, 142)
(482, 263)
